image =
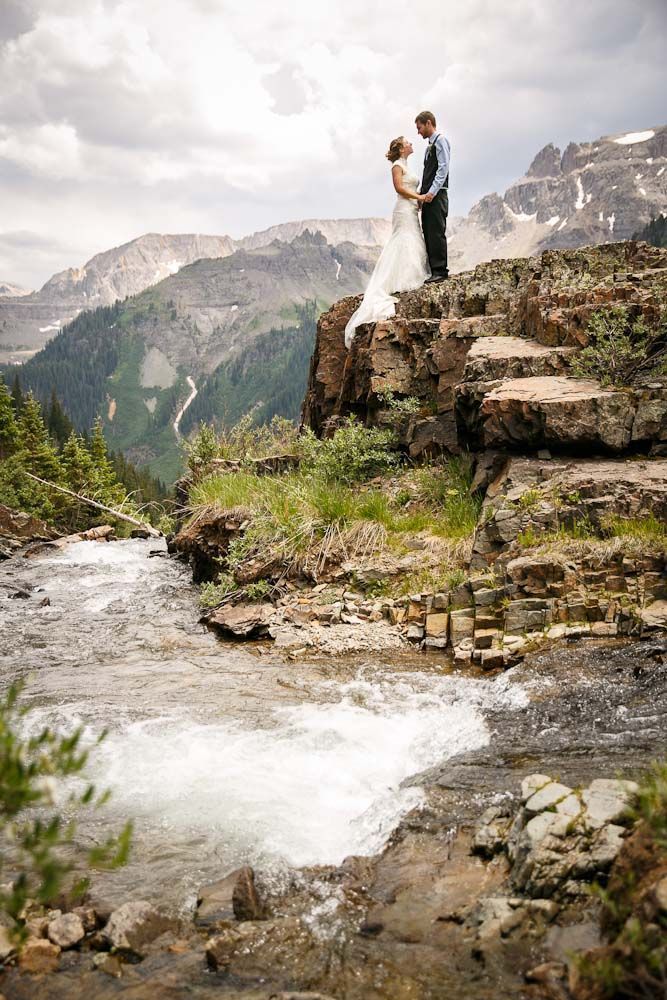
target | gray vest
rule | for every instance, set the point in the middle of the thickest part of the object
(431, 169)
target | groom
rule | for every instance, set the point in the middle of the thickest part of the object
(435, 183)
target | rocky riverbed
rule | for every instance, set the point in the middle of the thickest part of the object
(383, 806)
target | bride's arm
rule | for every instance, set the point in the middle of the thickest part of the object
(397, 177)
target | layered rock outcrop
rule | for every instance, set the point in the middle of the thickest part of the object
(487, 355)
(485, 360)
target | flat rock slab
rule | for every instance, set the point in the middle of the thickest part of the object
(242, 622)
(560, 411)
(491, 358)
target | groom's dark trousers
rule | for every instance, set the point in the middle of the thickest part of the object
(434, 223)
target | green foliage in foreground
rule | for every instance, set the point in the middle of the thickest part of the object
(34, 833)
(634, 965)
(622, 350)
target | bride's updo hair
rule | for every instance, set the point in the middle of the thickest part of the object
(395, 147)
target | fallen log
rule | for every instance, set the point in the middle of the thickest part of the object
(100, 506)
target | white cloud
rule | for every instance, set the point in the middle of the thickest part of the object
(51, 150)
(122, 116)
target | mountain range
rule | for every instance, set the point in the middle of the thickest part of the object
(594, 192)
(29, 319)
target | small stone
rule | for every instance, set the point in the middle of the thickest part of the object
(660, 894)
(39, 956)
(492, 659)
(547, 796)
(435, 643)
(547, 972)
(604, 629)
(415, 633)
(111, 964)
(532, 784)
(539, 826)
(220, 949)
(437, 625)
(66, 930)
(7, 943)
(570, 806)
(484, 637)
(37, 926)
(245, 898)
(88, 917)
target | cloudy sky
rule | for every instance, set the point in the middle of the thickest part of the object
(119, 117)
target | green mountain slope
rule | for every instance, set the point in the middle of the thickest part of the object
(240, 328)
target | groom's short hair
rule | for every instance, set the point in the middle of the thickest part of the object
(425, 116)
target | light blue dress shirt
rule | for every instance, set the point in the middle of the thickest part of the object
(442, 151)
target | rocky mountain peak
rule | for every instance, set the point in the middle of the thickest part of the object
(491, 213)
(547, 162)
(599, 192)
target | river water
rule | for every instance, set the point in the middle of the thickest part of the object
(218, 754)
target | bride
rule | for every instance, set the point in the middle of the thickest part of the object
(403, 263)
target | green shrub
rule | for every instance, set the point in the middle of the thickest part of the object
(37, 841)
(621, 351)
(354, 454)
(402, 407)
(213, 594)
(201, 449)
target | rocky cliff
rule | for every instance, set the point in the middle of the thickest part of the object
(487, 355)
(593, 192)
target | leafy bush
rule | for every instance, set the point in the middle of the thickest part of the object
(201, 449)
(355, 453)
(621, 351)
(35, 837)
(403, 406)
(212, 594)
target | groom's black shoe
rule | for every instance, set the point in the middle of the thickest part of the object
(436, 278)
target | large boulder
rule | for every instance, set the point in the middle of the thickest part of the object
(244, 621)
(135, 925)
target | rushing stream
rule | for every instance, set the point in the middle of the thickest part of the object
(221, 755)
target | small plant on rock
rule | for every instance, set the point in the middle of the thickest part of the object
(404, 407)
(622, 351)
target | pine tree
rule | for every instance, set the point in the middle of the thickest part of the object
(17, 394)
(40, 458)
(58, 423)
(9, 431)
(105, 484)
(79, 475)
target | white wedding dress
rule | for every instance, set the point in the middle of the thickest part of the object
(402, 265)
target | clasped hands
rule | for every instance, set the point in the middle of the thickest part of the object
(425, 199)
